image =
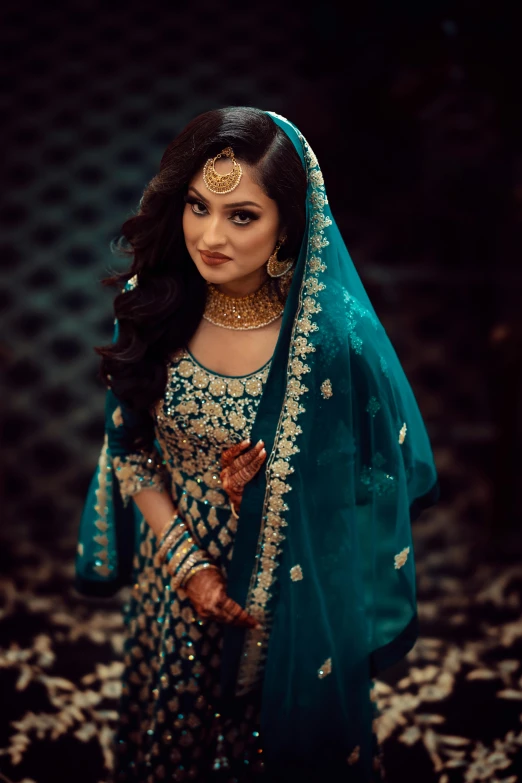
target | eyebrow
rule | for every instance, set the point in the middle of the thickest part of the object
(227, 206)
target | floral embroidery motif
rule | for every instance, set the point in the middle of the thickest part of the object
(353, 758)
(384, 367)
(326, 389)
(378, 481)
(117, 418)
(401, 558)
(355, 312)
(296, 573)
(138, 471)
(325, 669)
(285, 446)
(402, 434)
(199, 404)
(373, 406)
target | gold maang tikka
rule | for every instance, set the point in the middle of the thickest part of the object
(222, 183)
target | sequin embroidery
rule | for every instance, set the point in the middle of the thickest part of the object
(326, 389)
(401, 558)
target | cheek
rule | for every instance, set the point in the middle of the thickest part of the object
(190, 226)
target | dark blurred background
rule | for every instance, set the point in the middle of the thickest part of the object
(414, 111)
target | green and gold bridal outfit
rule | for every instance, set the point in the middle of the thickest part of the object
(321, 553)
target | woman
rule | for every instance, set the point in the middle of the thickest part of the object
(260, 421)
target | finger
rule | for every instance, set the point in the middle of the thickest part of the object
(244, 475)
(233, 614)
(234, 491)
(229, 455)
(249, 469)
(246, 458)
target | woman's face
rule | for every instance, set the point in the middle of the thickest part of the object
(240, 229)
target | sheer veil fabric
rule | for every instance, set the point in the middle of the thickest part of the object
(323, 553)
(331, 573)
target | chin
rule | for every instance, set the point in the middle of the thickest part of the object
(217, 274)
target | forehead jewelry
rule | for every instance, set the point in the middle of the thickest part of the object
(222, 183)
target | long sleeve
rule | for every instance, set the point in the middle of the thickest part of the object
(130, 438)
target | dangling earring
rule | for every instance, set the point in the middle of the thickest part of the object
(275, 267)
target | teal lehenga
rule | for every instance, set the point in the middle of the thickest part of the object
(322, 552)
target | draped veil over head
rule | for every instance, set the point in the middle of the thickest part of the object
(323, 554)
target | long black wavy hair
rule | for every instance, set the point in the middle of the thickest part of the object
(160, 315)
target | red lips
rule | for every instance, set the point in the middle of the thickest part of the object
(213, 259)
(214, 255)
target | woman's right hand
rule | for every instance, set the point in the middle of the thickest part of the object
(206, 590)
(238, 467)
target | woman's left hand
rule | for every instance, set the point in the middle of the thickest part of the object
(238, 467)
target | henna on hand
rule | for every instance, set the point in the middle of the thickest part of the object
(206, 590)
(239, 468)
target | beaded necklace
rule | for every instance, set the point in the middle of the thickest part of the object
(242, 312)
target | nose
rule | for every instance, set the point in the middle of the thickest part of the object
(214, 235)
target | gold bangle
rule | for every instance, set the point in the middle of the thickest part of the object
(185, 568)
(199, 567)
(179, 556)
(169, 542)
(166, 527)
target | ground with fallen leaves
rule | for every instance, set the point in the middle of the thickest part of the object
(451, 711)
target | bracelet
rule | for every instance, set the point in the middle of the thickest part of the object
(169, 542)
(178, 554)
(167, 528)
(198, 567)
(185, 568)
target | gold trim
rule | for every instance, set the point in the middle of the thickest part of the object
(102, 492)
(278, 466)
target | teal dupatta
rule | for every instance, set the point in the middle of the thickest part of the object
(331, 574)
(323, 554)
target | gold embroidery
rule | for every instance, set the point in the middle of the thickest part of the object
(101, 563)
(401, 558)
(138, 471)
(402, 433)
(326, 389)
(354, 755)
(117, 418)
(278, 464)
(296, 573)
(200, 406)
(325, 669)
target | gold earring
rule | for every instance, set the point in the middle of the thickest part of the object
(275, 267)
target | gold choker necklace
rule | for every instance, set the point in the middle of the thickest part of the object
(242, 312)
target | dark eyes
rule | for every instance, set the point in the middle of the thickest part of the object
(244, 217)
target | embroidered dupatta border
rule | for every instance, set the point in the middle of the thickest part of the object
(279, 466)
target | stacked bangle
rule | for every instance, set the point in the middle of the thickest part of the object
(196, 561)
(180, 553)
(168, 527)
(172, 531)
